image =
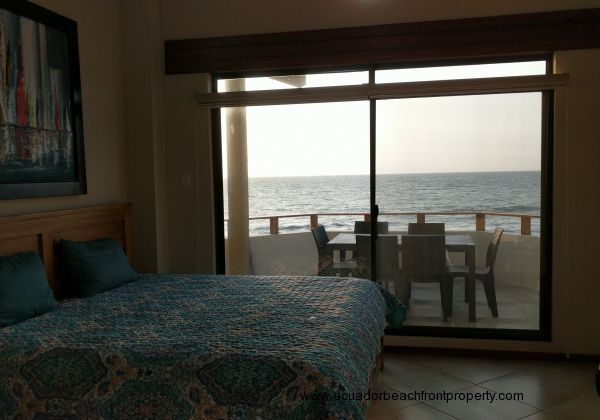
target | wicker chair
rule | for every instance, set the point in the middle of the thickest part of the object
(485, 274)
(326, 266)
(365, 227)
(429, 229)
(426, 228)
(388, 262)
(424, 261)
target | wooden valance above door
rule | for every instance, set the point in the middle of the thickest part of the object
(473, 38)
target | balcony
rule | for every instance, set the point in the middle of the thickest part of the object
(517, 269)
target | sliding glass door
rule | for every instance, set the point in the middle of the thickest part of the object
(457, 175)
(467, 169)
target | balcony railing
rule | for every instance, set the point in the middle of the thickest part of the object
(420, 218)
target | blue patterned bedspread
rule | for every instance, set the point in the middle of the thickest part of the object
(195, 346)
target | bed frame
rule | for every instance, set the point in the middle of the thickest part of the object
(40, 232)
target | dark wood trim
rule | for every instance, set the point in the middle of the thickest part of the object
(470, 332)
(546, 221)
(374, 208)
(219, 198)
(511, 35)
(471, 352)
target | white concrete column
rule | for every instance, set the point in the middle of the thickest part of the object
(238, 238)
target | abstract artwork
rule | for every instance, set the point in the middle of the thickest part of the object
(41, 136)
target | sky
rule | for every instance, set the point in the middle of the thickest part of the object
(473, 133)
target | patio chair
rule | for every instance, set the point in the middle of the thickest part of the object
(363, 256)
(424, 261)
(326, 266)
(388, 261)
(365, 227)
(485, 274)
(426, 228)
(429, 229)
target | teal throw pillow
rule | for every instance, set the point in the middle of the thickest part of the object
(24, 289)
(95, 266)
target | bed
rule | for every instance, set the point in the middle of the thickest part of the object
(187, 346)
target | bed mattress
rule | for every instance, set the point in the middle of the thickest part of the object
(197, 346)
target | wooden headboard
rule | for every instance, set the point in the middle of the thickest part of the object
(40, 232)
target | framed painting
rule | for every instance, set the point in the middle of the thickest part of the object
(41, 127)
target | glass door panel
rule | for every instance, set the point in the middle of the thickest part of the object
(459, 187)
(467, 71)
(302, 81)
(286, 170)
(466, 165)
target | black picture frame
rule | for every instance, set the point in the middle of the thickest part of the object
(41, 121)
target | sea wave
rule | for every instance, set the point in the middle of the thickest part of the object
(501, 192)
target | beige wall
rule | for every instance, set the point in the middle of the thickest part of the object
(143, 59)
(121, 63)
(577, 246)
(576, 288)
(190, 194)
(197, 19)
(103, 119)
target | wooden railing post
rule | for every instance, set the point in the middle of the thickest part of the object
(526, 225)
(480, 221)
(314, 221)
(480, 218)
(274, 222)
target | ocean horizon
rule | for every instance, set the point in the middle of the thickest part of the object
(503, 192)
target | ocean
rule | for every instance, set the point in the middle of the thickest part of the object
(503, 192)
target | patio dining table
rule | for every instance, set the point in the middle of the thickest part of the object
(454, 243)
